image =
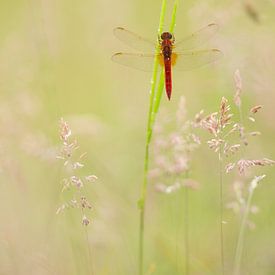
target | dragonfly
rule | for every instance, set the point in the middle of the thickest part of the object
(181, 56)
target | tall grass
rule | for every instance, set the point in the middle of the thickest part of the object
(247, 202)
(221, 207)
(74, 195)
(224, 132)
(154, 103)
(244, 220)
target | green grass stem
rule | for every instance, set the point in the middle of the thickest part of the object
(221, 209)
(155, 98)
(239, 249)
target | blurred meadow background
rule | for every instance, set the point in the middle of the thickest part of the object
(55, 62)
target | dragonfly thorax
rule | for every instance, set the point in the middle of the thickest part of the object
(166, 44)
(166, 51)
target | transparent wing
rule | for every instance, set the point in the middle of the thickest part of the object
(196, 39)
(138, 61)
(180, 61)
(192, 60)
(134, 41)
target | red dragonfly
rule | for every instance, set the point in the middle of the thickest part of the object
(169, 53)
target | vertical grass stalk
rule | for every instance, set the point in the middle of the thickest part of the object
(239, 248)
(221, 208)
(186, 229)
(155, 98)
(90, 258)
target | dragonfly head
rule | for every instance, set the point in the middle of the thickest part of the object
(166, 36)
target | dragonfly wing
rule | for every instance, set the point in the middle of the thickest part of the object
(134, 41)
(196, 39)
(143, 62)
(192, 60)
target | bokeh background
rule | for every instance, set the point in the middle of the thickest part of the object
(55, 61)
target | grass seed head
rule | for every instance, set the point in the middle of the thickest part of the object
(73, 179)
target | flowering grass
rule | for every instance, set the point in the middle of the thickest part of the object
(222, 127)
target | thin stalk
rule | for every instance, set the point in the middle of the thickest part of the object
(220, 159)
(142, 210)
(186, 226)
(221, 208)
(90, 259)
(186, 229)
(174, 14)
(239, 248)
(150, 122)
(155, 98)
(240, 114)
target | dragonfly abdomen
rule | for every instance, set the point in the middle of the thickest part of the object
(168, 76)
(167, 45)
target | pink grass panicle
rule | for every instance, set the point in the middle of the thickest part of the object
(74, 180)
(172, 152)
(230, 139)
